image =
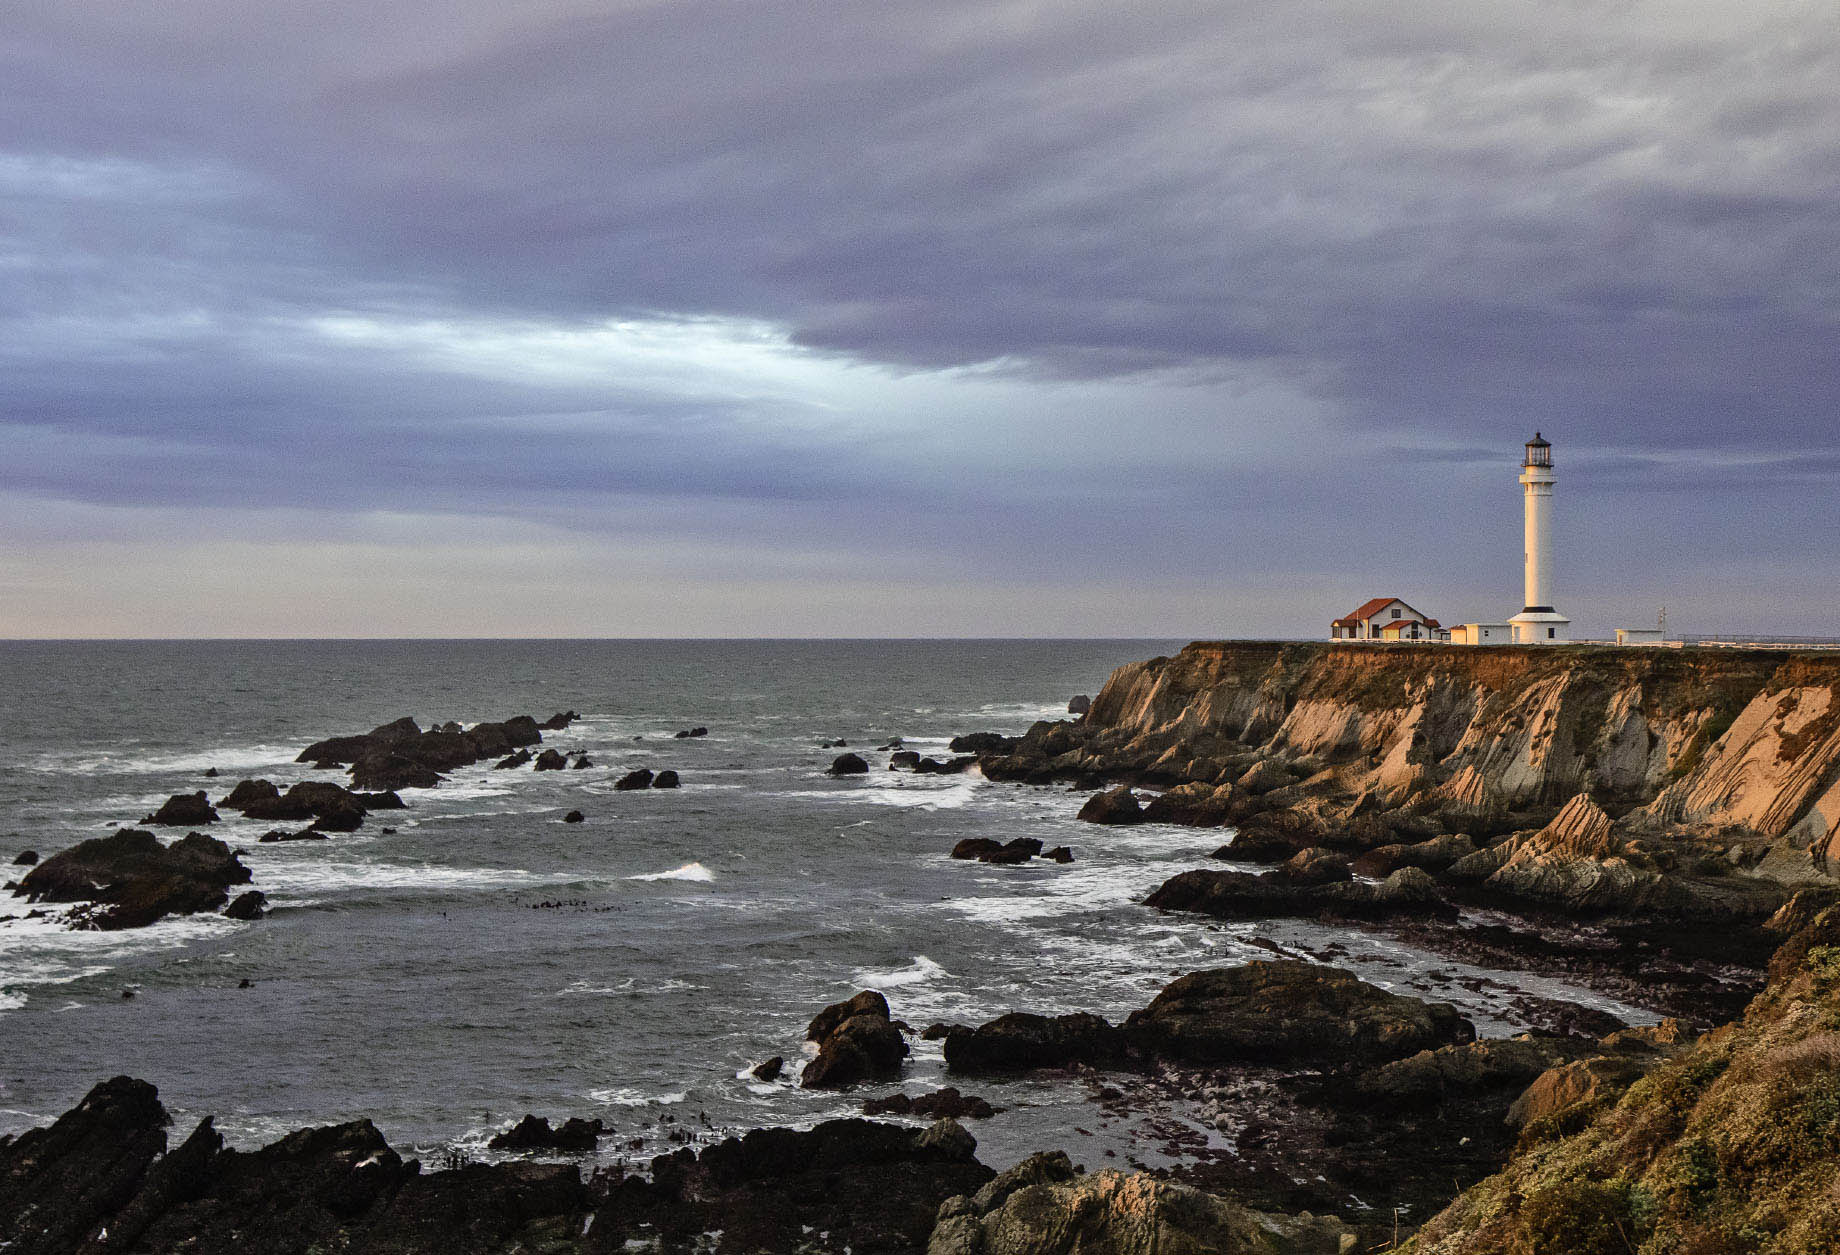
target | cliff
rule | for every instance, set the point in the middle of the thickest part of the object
(1740, 748)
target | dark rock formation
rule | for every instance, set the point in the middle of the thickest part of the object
(1020, 1041)
(330, 807)
(947, 767)
(1059, 854)
(1289, 1013)
(1115, 806)
(1307, 891)
(769, 1070)
(938, 1105)
(133, 880)
(981, 743)
(551, 760)
(26, 858)
(573, 817)
(848, 765)
(250, 904)
(1079, 704)
(687, 733)
(666, 779)
(903, 758)
(510, 761)
(183, 810)
(401, 755)
(856, 1041)
(641, 778)
(582, 763)
(976, 847)
(573, 1136)
(557, 722)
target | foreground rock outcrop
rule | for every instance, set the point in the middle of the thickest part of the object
(129, 880)
(102, 1179)
(1045, 1206)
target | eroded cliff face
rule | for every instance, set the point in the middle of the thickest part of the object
(1742, 746)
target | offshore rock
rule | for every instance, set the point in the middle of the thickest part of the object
(1306, 889)
(640, 778)
(856, 1042)
(1289, 1013)
(401, 755)
(848, 765)
(249, 905)
(941, 1104)
(666, 779)
(550, 760)
(133, 880)
(183, 810)
(573, 1136)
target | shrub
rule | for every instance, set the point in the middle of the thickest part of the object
(1578, 1218)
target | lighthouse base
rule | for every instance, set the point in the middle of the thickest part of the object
(1540, 625)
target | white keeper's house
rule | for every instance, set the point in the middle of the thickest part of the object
(1387, 619)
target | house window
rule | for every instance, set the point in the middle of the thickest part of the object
(1395, 612)
(1551, 632)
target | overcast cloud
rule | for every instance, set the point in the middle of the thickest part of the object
(950, 318)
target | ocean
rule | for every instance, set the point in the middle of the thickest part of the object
(486, 960)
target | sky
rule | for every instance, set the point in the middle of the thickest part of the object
(819, 318)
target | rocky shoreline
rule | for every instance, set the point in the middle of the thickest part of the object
(1651, 824)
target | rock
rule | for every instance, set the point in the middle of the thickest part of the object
(573, 817)
(1273, 836)
(1059, 854)
(1018, 850)
(1194, 805)
(510, 761)
(345, 819)
(1115, 806)
(557, 722)
(582, 763)
(1021, 1041)
(1288, 1013)
(1112, 1213)
(247, 905)
(1581, 1082)
(948, 767)
(1407, 894)
(274, 835)
(550, 760)
(184, 810)
(903, 758)
(1433, 855)
(1079, 705)
(247, 793)
(945, 1103)
(1264, 776)
(640, 778)
(848, 765)
(666, 779)
(981, 743)
(856, 1041)
(210, 773)
(59, 1183)
(400, 755)
(768, 1071)
(976, 847)
(309, 800)
(574, 1136)
(1315, 866)
(1458, 1073)
(26, 858)
(133, 880)
(688, 733)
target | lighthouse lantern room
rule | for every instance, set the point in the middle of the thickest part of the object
(1538, 623)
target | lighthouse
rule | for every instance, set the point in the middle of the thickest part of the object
(1538, 623)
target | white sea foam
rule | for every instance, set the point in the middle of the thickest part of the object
(46, 951)
(920, 971)
(689, 871)
(334, 877)
(630, 987)
(627, 1096)
(129, 761)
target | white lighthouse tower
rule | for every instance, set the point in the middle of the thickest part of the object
(1538, 623)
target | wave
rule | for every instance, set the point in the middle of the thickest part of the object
(689, 871)
(45, 951)
(136, 761)
(921, 970)
(630, 987)
(317, 877)
(627, 1096)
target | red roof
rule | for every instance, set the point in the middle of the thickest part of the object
(1371, 609)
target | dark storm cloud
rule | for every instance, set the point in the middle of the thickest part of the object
(1441, 229)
